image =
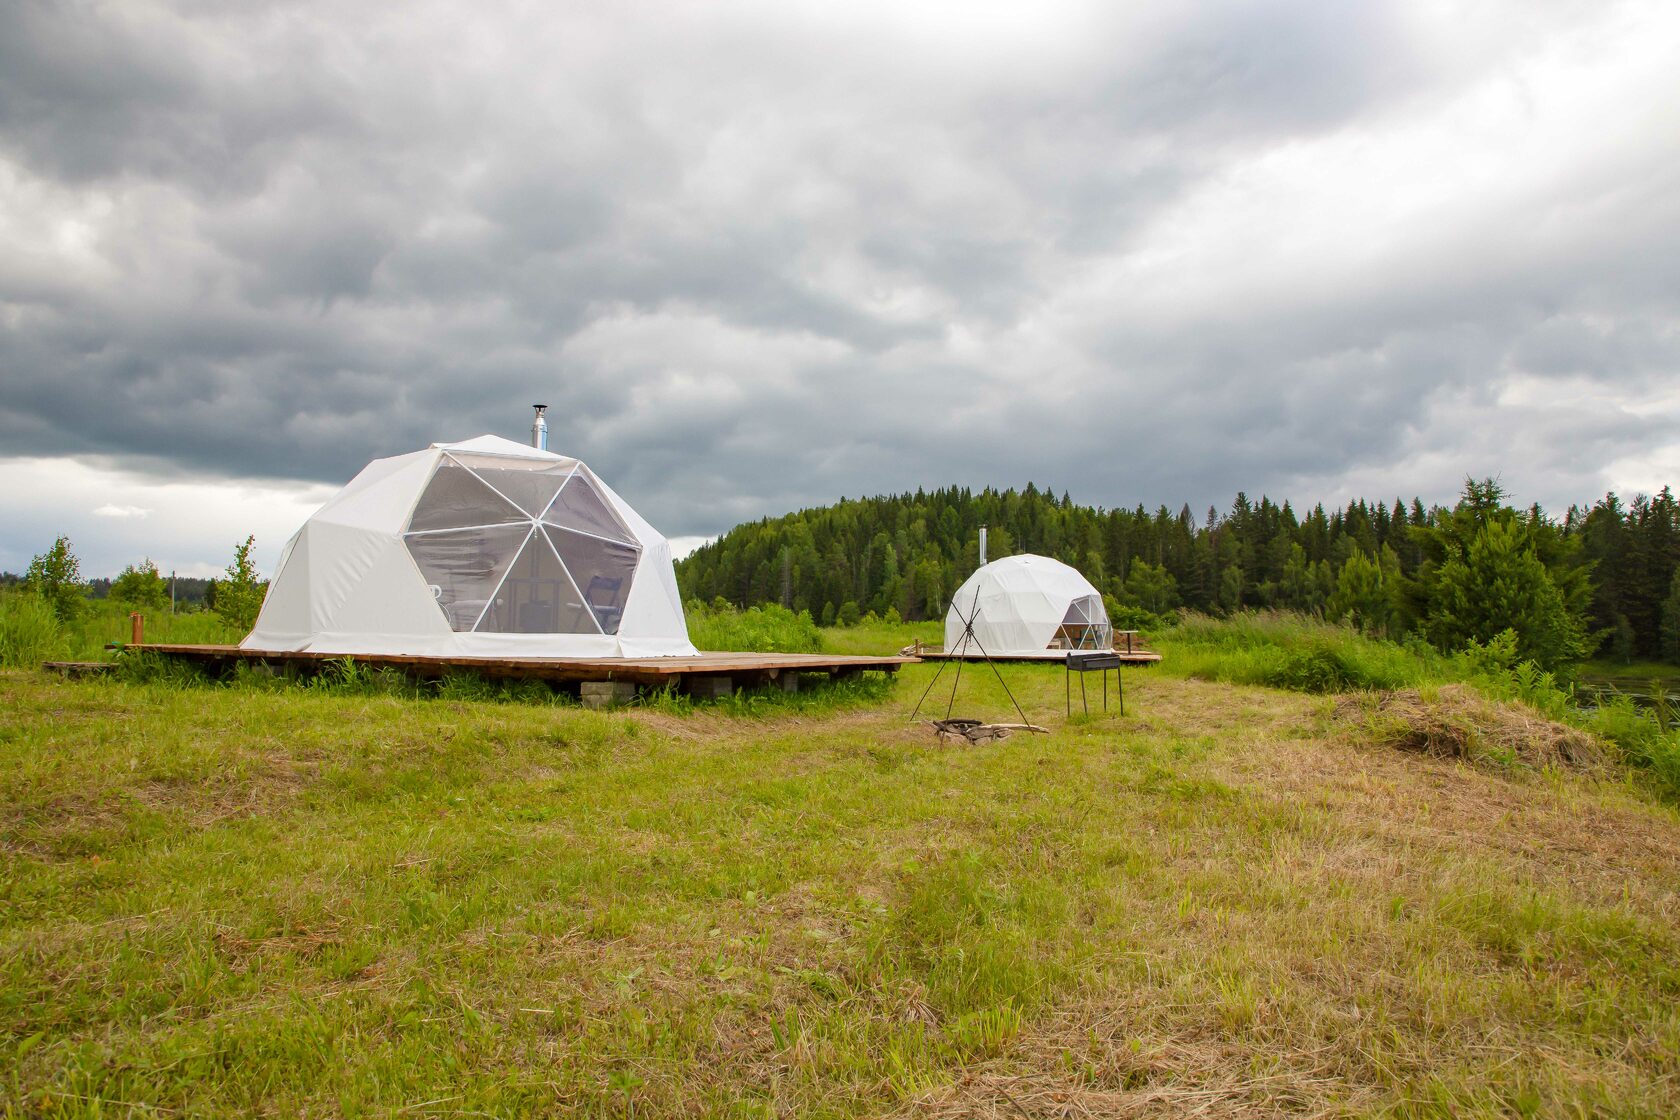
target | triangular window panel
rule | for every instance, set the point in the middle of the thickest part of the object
(581, 507)
(464, 567)
(538, 597)
(456, 498)
(602, 571)
(529, 483)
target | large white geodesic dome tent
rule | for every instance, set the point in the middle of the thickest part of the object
(1026, 606)
(486, 548)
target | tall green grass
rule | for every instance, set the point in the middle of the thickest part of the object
(104, 622)
(30, 632)
(343, 677)
(767, 629)
(1296, 652)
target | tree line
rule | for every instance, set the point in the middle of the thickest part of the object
(55, 576)
(1601, 578)
(191, 592)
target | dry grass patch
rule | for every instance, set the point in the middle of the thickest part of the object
(1456, 721)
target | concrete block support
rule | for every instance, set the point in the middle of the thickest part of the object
(710, 687)
(607, 694)
(786, 680)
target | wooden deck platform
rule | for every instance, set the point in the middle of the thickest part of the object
(1049, 656)
(738, 668)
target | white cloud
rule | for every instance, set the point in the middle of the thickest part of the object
(186, 525)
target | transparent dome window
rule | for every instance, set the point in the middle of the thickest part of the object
(1085, 626)
(538, 597)
(456, 498)
(603, 570)
(464, 567)
(581, 508)
(517, 546)
(529, 484)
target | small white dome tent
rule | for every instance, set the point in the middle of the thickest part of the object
(486, 548)
(1026, 607)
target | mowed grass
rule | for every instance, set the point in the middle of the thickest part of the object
(286, 902)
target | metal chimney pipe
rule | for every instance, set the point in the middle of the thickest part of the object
(982, 546)
(539, 429)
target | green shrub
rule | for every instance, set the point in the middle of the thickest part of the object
(30, 632)
(239, 597)
(56, 576)
(1642, 739)
(141, 587)
(1126, 616)
(1321, 668)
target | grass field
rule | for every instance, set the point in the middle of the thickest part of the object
(291, 902)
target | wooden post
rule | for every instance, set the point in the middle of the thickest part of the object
(137, 628)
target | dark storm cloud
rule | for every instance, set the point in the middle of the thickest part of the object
(759, 256)
(94, 91)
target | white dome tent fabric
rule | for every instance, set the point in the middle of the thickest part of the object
(486, 548)
(1026, 607)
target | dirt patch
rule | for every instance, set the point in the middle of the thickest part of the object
(1456, 721)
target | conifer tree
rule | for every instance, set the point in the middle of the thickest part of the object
(1670, 643)
(1363, 596)
(1499, 583)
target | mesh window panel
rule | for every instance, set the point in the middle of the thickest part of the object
(602, 570)
(455, 498)
(529, 483)
(1088, 609)
(1102, 634)
(537, 597)
(580, 506)
(464, 567)
(1085, 626)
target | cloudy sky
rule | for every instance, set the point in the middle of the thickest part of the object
(761, 255)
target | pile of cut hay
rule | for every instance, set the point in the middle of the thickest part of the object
(1456, 721)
